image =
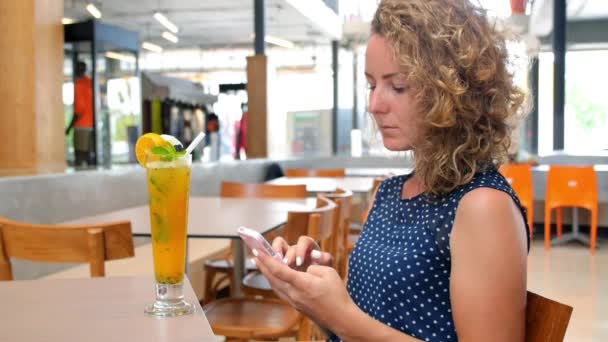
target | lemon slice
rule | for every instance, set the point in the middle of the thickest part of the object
(144, 145)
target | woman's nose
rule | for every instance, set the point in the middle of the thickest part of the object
(377, 104)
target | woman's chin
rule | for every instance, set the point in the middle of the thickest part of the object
(396, 146)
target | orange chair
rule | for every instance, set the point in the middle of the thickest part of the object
(519, 177)
(333, 173)
(571, 186)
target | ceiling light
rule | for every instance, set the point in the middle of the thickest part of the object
(94, 11)
(170, 37)
(67, 21)
(165, 22)
(279, 42)
(151, 47)
(120, 56)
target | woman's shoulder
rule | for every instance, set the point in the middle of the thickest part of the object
(488, 196)
(489, 179)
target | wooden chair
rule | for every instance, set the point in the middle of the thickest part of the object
(218, 272)
(339, 249)
(251, 318)
(234, 189)
(519, 177)
(93, 244)
(546, 320)
(299, 223)
(375, 186)
(353, 235)
(333, 173)
(571, 186)
(268, 318)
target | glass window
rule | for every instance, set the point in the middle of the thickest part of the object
(586, 110)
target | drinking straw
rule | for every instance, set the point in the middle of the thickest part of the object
(195, 142)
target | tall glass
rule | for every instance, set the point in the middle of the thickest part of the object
(168, 188)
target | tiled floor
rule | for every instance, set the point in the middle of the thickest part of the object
(570, 275)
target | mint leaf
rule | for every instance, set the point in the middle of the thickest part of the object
(160, 233)
(167, 153)
(167, 157)
(155, 185)
(162, 151)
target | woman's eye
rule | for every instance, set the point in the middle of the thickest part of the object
(371, 86)
(399, 89)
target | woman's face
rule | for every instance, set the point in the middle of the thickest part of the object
(390, 99)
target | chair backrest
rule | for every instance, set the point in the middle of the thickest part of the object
(335, 173)
(261, 190)
(377, 182)
(571, 186)
(317, 223)
(368, 206)
(233, 189)
(93, 244)
(546, 320)
(519, 177)
(343, 199)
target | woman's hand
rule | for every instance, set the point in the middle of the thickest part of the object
(305, 253)
(317, 292)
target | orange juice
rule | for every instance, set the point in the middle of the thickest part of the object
(168, 188)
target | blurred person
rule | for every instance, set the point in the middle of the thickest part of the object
(82, 120)
(240, 135)
(442, 255)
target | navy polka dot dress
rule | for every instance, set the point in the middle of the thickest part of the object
(399, 270)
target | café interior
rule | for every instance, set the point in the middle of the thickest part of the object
(268, 101)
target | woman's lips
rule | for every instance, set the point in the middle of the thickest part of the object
(389, 129)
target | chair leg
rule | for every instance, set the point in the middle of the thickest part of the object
(547, 228)
(558, 212)
(209, 291)
(593, 230)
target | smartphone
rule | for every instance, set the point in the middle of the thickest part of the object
(255, 240)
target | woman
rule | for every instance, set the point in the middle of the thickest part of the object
(442, 255)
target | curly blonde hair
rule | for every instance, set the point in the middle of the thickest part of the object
(456, 65)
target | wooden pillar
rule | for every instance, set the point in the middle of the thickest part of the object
(257, 96)
(31, 68)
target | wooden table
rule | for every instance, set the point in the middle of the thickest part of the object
(375, 172)
(323, 184)
(216, 217)
(93, 309)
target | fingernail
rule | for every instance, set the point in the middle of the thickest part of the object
(253, 261)
(315, 254)
(285, 260)
(298, 261)
(255, 252)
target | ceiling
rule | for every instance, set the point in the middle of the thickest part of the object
(211, 23)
